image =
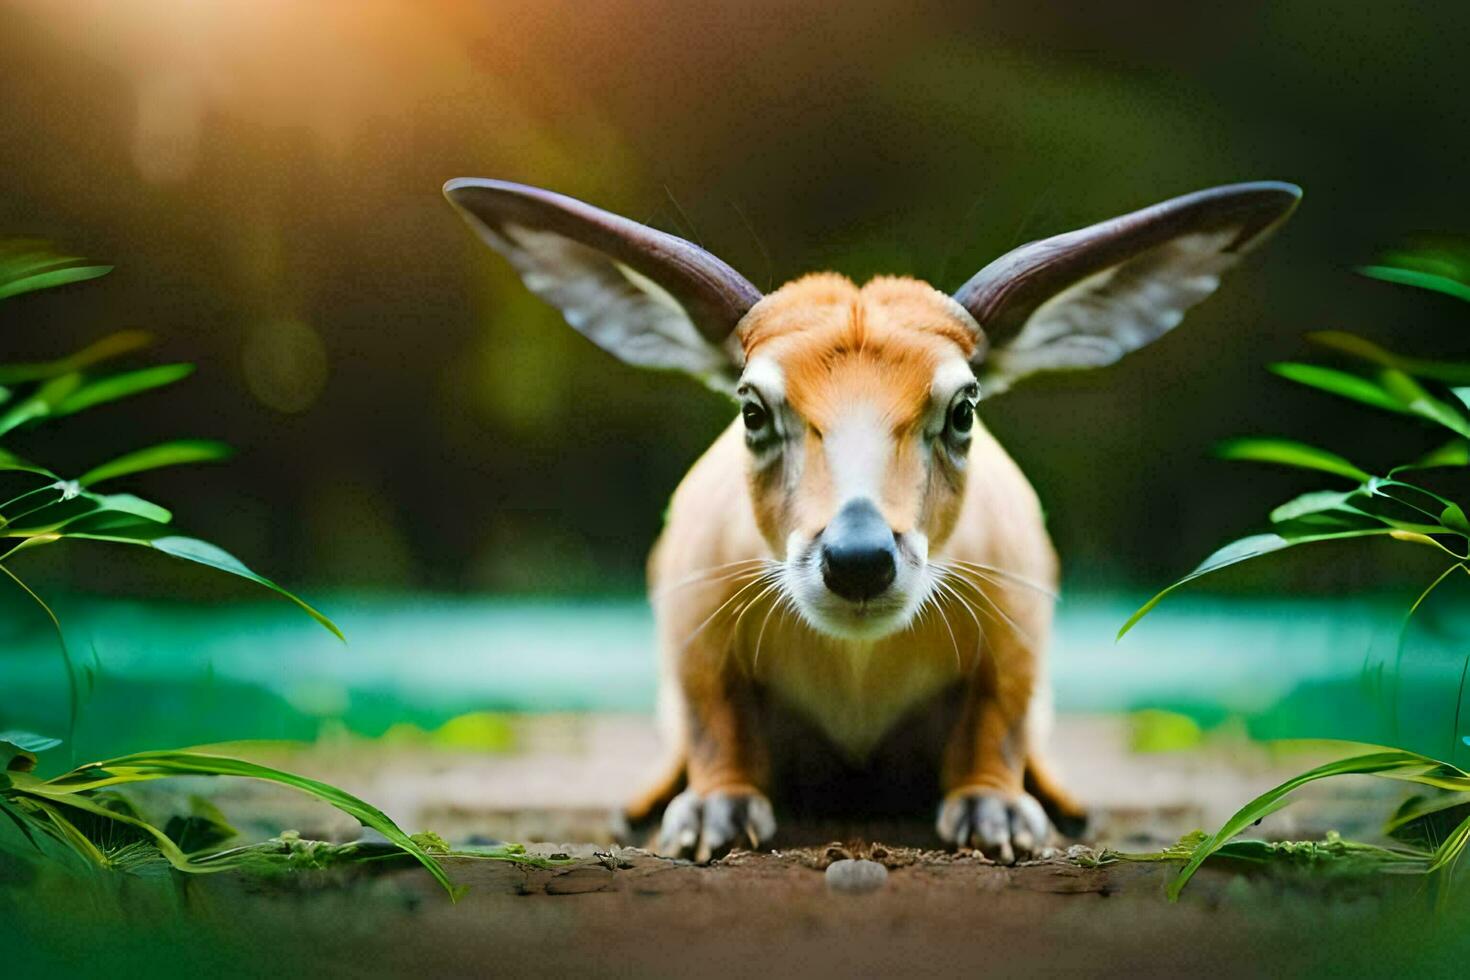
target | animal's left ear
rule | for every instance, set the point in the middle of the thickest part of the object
(1085, 298)
(648, 298)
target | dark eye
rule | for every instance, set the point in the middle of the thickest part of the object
(755, 417)
(962, 416)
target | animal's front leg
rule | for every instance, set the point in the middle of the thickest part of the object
(985, 805)
(728, 767)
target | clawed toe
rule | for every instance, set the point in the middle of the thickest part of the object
(707, 827)
(1004, 828)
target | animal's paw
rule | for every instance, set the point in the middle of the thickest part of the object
(1005, 828)
(707, 827)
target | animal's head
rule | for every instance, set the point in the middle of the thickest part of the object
(858, 404)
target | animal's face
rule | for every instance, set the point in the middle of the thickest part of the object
(858, 407)
(858, 404)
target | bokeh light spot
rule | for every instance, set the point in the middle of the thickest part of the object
(285, 364)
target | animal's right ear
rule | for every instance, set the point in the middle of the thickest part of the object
(649, 298)
(1085, 298)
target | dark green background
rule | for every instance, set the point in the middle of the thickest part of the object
(256, 163)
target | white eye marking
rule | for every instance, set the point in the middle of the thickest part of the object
(766, 376)
(950, 377)
(858, 448)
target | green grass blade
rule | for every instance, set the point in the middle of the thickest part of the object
(122, 385)
(165, 845)
(1420, 402)
(127, 503)
(1381, 763)
(1419, 280)
(50, 278)
(1340, 383)
(1232, 554)
(40, 403)
(1450, 372)
(1313, 503)
(1245, 549)
(1449, 851)
(1288, 452)
(162, 764)
(9, 462)
(1417, 809)
(175, 453)
(1456, 452)
(113, 345)
(161, 538)
(67, 833)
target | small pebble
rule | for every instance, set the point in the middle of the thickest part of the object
(855, 877)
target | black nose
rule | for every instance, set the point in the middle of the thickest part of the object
(858, 555)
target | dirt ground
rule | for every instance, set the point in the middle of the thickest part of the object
(614, 911)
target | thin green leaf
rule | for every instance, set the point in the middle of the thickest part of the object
(175, 453)
(122, 385)
(9, 462)
(1449, 851)
(1243, 550)
(1420, 402)
(1339, 383)
(65, 831)
(50, 517)
(50, 278)
(40, 403)
(113, 345)
(1456, 452)
(1288, 452)
(1391, 763)
(161, 538)
(126, 503)
(1451, 372)
(1420, 280)
(1453, 517)
(1232, 554)
(1417, 808)
(1314, 502)
(154, 765)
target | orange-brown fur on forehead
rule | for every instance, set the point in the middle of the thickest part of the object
(833, 340)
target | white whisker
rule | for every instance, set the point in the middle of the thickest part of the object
(735, 629)
(1010, 577)
(723, 606)
(760, 636)
(969, 608)
(986, 597)
(707, 575)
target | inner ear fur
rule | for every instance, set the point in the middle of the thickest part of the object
(646, 296)
(1126, 280)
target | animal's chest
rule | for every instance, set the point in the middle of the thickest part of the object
(854, 694)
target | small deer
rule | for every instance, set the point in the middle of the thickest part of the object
(854, 587)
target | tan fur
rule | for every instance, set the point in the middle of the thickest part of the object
(720, 631)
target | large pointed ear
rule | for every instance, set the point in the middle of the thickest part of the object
(1087, 297)
(650, 299)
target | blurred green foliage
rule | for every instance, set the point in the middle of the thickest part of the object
(39, 508)
(1433, 828)
(1404, 503)
(81, 813)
